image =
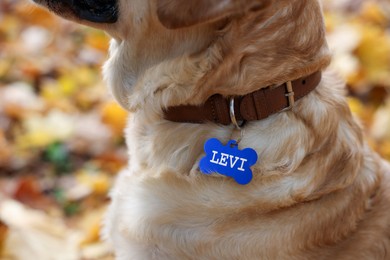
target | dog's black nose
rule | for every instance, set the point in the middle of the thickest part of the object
(97, 11)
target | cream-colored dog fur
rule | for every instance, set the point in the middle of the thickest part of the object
(318, 191)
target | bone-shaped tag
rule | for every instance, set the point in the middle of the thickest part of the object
(228, 160)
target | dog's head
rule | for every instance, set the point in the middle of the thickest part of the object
(245, 43)
(172, 14)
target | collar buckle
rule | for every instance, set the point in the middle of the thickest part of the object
(290, 95)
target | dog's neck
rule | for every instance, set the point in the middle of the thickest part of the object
(144, 61)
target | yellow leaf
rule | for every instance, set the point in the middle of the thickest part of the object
(5, 65)
(98, 182)
(90, 224)
(372, 12)
(92, 233)
(331, 21)
(34, 139)
(384, 149)
(114, 116)
(363, 112)
(374, 54)
(10, 26)
(50, 90)
(84, 76)
(67, 84)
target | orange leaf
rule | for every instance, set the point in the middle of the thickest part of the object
(33, 14)
(29, 193)
(3, 236)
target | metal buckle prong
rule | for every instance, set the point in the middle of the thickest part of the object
(290, 95)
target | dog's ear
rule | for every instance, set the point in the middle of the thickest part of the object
(175, 14)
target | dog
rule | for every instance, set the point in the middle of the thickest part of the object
(184, 69)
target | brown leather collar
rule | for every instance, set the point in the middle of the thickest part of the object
(251, 107)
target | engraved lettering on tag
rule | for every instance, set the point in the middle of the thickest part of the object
(221, 159)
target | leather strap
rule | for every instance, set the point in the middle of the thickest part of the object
(251, 107)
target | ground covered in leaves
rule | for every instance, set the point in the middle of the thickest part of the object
(61, 141)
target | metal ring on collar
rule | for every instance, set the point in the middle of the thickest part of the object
(233, 118)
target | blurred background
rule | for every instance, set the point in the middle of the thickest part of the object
(61, 140)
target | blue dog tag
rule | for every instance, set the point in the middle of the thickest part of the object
(228, 160)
